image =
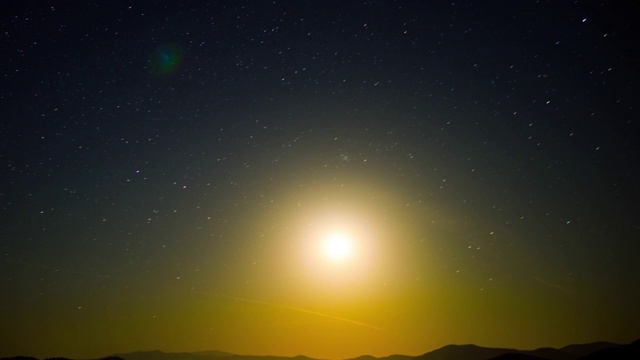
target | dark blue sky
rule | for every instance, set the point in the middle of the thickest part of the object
(144, 142)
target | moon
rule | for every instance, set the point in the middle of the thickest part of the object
(337, 246)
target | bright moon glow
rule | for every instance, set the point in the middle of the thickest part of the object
(337, 246)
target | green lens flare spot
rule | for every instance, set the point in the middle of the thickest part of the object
(165, 59)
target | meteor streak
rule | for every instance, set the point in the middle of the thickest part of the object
(328, 316)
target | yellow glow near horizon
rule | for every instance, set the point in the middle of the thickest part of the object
(338, 259)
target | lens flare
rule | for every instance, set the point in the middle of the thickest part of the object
(165, 59)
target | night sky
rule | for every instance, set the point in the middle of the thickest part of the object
(172, 174)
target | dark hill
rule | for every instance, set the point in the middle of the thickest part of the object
(464, 352)
(364, 357)
(591, 351)
(212, 353)
(517, 356)
(622, 352)
(202, 355)
(160, 355)
(390, 357)
(473, 352)
(580, 350)
(549, 353)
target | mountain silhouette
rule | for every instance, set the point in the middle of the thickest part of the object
(580, 350)
(590, 351)
(20, 358)
(212, 353)
(464, 352)
(517, 356)
(390, 357)
(622, 352)
(200, 355)
(474, 352)
(160, 355)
